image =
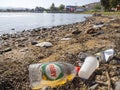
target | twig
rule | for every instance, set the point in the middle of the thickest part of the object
(109, 82)
(102, 83)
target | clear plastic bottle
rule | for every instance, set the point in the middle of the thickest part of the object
(51, 74)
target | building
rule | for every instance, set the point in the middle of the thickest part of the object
(70, 8)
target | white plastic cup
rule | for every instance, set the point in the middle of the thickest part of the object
(89, 66)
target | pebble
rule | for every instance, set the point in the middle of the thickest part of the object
(44, 44)
(24, 49)
(83, 55)
(76, 32)
(7, 49)
(34, 43)
(117, 85)
(65, 39)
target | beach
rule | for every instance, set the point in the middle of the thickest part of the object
(95, 34)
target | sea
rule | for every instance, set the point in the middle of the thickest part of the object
(17, 22)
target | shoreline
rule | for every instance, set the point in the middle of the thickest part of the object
(18, 51)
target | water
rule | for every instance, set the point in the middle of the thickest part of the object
(26, 21)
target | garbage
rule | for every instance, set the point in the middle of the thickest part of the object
(88, 67)
(98, 26)
(106, 55)
(44, 44)
(51, 74)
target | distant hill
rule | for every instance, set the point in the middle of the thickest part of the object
(91, 5)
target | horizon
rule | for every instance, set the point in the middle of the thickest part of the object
(41, 3)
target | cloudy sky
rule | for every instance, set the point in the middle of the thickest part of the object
(42, 3)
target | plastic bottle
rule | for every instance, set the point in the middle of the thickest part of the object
(89, 66)
(51, 74)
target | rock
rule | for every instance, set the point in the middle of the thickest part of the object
(76, 32)
(21, 39)
(40, 56)
(98, 26)
(68, 35)
(34, 43)
(1, 52)
(65, 39)
(98, 33)
(113, 62)
(83, 55)
(7, 49)
(24, 49)
(117, 85)
(44, 44)
(99, 23)
(5, 36)
(21, 45)
(90, 31)
(97, 14)
(94, 87)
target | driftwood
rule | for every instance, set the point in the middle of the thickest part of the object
(109, 81)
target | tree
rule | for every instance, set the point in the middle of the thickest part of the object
(114, 3)
(97, 7)
(61, 7)
(52, 7)
(105, 4)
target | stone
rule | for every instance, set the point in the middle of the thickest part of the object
(83, 55)
(99, 23)
(7, 49)
(5, 36)
(117, 85)
(94, 87)
(97, 14)
(1, 52)
(34, 43)
(98, 26)
(21, 39)
(24, 49)
(90, 31)
(76, 32)
(65, 39)
(21, 45)
(44, 44)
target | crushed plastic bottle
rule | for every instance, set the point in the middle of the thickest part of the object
(51, 74)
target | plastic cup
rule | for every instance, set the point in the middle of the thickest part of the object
(89, 66)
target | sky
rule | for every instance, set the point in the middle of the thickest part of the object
(42, 3)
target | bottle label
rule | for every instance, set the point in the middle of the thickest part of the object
(52, 71)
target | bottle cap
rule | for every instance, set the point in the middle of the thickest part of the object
(77, 68)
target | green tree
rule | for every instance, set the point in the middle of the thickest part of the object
(105, 4)
(114, 3)
(97, 7)
(52, 7)
(61, 7)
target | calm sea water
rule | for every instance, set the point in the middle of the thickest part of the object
(25, 21)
